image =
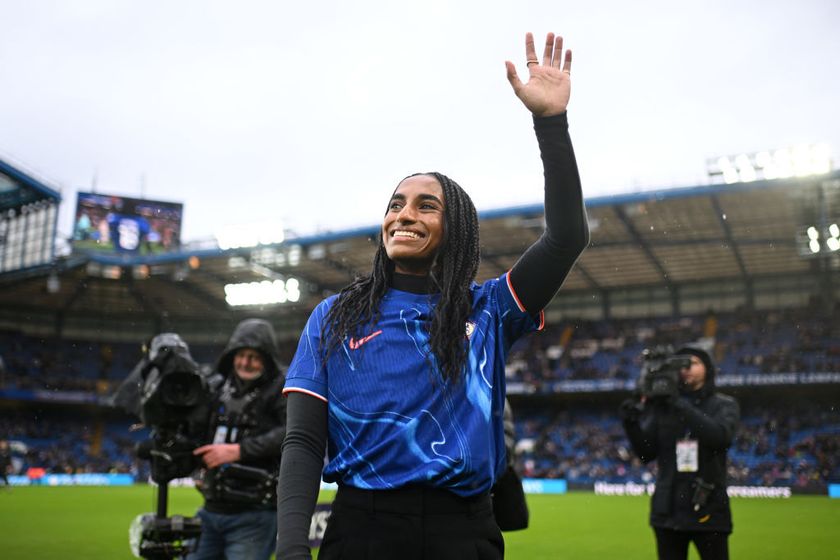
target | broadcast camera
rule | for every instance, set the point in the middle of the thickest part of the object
(170, 395)
(175, 403)
(660, 375)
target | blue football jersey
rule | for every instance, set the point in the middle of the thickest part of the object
(393, 420)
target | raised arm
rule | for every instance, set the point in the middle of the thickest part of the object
(541, 270)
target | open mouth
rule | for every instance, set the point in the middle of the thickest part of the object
(405, 234)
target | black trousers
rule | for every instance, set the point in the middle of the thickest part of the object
(411, 524)
(673, 545)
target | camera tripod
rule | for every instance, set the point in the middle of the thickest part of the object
(157, 536)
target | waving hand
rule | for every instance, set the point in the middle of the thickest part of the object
(547, 90)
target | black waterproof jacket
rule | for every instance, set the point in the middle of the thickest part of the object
(256, 409)
(653, 429)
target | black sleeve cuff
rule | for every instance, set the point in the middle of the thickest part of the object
(554, 121)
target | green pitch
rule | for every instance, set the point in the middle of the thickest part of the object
(92, 523)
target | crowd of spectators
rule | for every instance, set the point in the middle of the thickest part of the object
(793, 341)
(796, 446)
(37, 363)
(66, 444)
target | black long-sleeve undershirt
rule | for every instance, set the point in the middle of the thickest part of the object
(541, 270)
(535, 277)
(300, 474)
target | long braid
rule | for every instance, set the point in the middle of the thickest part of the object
(453, 271)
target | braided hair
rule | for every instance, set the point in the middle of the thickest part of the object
(452, 272)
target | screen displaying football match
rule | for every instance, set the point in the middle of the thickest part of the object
(126, 225)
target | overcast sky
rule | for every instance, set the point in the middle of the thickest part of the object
(309, 113)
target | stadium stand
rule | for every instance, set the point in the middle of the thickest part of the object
(797, 446)
(801, 340)
(720, 263)
(791, 446)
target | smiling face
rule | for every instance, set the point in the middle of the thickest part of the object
(413, 229)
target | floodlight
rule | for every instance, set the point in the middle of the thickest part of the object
(267, 292)
(833, 243)
(293, 289)
(802, 160)
(763, 159)
(814, 245)
(232, 237)
(781, 158)
(742, 161)
(813, 233)
(730, 175)
(821, 155)
(747, 174)
(834, 230)
(250, 235)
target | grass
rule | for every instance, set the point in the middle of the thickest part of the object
(582, 525)
(92, 523)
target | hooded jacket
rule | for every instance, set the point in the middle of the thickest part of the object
(706, 416)
(251, 413)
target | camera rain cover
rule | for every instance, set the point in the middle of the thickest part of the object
(173, 385)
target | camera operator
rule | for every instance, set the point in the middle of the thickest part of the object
(687, 427)
(248, 424)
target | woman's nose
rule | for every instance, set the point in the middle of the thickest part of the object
(406, 214)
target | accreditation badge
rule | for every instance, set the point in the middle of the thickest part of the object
(687, 455)
(221, 434)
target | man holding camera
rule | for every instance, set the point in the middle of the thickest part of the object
(687, 427)
(248, 424)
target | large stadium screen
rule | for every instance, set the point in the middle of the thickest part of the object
(127, 225)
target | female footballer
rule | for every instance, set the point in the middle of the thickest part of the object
(400, 377)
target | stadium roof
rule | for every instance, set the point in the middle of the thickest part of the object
(739, 232)
(18, 188)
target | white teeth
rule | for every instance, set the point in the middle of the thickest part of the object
(410, 234)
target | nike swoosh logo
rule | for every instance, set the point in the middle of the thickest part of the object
(356, 344)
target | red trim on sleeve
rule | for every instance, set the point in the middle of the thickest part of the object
(519, 303)
(304, 391)
(513, 293)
